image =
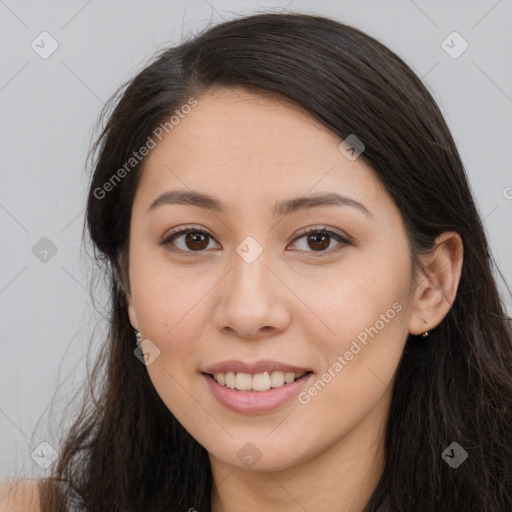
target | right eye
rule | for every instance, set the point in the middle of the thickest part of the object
(187, 239)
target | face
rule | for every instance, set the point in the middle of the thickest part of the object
(262, 283)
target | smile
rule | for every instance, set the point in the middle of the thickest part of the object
(249, 400)
(257, 382)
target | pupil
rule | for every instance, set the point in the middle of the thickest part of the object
(320, 240)
(196, 241)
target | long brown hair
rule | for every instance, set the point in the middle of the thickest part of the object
(127, 452)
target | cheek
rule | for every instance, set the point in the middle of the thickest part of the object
(367, 309)
(171, 310)
(354, 304)
(165, 295)
(358, 362)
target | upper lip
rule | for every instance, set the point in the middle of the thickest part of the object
(253, 368)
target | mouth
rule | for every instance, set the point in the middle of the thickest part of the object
(258, 382)
(258, 393)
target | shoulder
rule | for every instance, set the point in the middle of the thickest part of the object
(19, 496)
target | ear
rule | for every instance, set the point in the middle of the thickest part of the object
(437, 286)
(123, 265)
(131, 312)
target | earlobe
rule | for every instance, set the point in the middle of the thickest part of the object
(131, 312)
(437, 288)
(123, 265)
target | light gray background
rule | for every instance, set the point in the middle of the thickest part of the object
(49, 107)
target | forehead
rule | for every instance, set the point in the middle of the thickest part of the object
(243, 144)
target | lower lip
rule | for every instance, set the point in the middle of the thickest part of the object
(256, 402)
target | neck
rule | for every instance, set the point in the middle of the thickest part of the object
(341, 478)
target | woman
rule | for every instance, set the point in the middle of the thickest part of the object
(304, 315)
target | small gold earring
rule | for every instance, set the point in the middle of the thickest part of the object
(425, 334)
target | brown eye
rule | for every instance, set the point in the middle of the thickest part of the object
(320, 240)
(192, 240)
(188, 239)
(196, 241)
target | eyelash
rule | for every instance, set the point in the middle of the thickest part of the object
(304, 232)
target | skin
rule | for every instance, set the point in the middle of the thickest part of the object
(19, 496)
(291, 304)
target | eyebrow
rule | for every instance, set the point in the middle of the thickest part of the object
(281, 208)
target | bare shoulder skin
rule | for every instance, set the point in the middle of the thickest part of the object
(19, 496)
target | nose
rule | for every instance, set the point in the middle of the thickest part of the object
(252, 300)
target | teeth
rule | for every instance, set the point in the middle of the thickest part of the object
(289, 377)
(261, 381)
(276, 379)
(243, 381)
(258, 382)
(230, 380)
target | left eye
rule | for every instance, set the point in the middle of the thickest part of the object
(197, 240)
(320, 239)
